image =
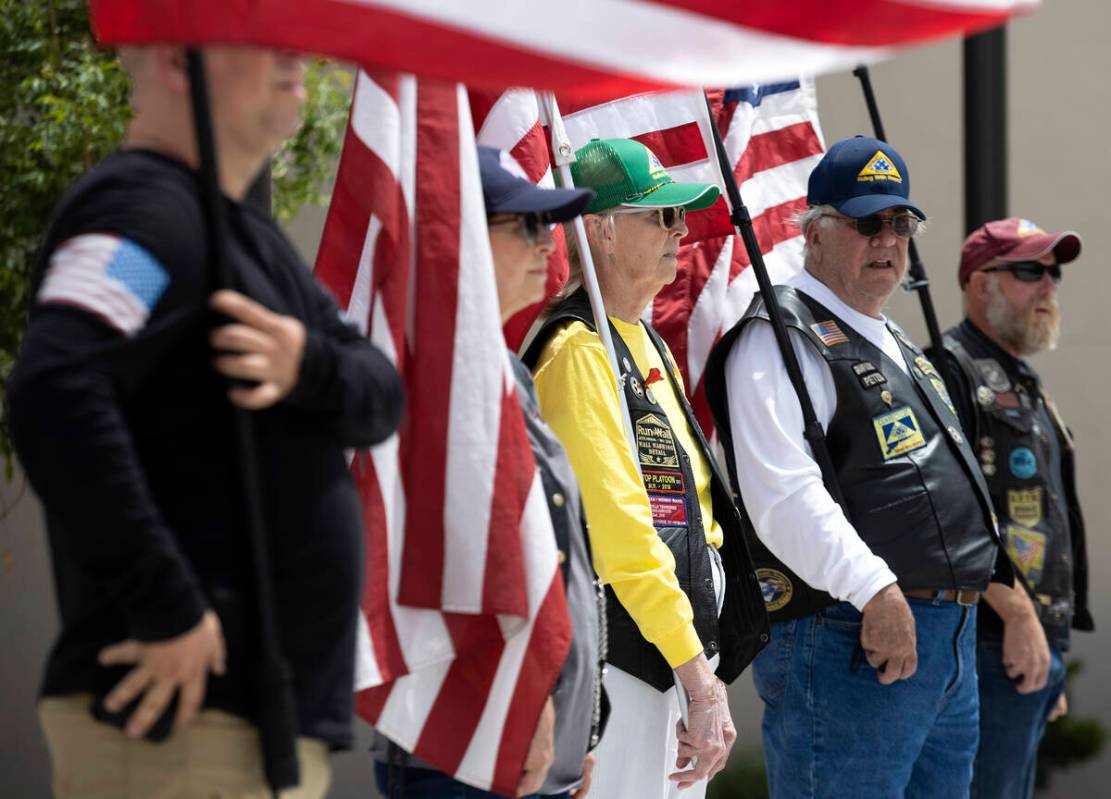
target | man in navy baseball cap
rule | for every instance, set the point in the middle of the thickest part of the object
(860, 177)
(880, 586)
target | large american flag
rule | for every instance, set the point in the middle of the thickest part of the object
(773, 140)
(588, 48)
(464, 625)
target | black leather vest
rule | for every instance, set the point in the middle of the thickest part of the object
(1026, 454)
(912, 488)
(742, 630)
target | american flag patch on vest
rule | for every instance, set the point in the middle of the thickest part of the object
(829, 332)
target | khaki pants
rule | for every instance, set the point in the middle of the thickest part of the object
(215, 757)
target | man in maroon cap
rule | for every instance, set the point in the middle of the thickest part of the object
(1009, 273)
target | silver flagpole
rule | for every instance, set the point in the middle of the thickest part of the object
(564, 153)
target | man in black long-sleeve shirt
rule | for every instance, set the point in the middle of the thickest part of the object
(125, 430)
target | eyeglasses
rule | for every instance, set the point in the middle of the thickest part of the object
(1029, 271)
(667, 218)
(903, 225)
(531, 225)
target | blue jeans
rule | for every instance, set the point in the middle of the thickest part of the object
(423, 783)
(1011, 726)
(832, 730)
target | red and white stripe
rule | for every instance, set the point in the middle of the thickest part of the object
(773, 147)
(589, 48)
(464, 626)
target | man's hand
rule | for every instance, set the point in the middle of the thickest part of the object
(163, 668)
(541, 752)
(1025, 650)
(588, 770)
(709, 734)
(888, 635)
(261, 346)
(1059, 709)
(1025, 653)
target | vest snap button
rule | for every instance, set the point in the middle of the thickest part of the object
(562, 556)
(558, 500)
(712, 647)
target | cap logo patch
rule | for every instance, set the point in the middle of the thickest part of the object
(655, 168)
(512, 165)
(880, 167)
(1028, 228)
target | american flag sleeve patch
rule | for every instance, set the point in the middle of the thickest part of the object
(112, 278)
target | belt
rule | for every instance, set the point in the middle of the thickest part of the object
(943, 595)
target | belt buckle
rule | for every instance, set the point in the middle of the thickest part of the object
(960, 597)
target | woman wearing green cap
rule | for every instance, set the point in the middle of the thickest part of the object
(665, 532)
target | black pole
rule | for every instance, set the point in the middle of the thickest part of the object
(812, 429)
(274, 700)
(985, 128)
(917, 280)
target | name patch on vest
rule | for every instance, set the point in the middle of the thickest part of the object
(868, 375)
(1024, 506)
(654, 442)
(1027, 551)
(898, 432)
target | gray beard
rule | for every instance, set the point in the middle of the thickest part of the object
(1026, 336)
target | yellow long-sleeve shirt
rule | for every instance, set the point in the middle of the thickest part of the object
(578, 398)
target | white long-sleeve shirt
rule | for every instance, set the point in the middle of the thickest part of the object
(780, 482)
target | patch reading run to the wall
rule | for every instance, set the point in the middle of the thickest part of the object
(654, 442)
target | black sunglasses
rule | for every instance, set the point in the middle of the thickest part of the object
(531, 224)
(904, 225)
(1028, 271)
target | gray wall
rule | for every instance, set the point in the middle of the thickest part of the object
(1059, 176)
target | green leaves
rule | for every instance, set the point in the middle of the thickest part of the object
(63, 107)
(304, 167)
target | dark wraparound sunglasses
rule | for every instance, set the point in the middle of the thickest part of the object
(903, 225)
(531, 224)
(1028, 271)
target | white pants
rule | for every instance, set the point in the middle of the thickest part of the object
(639, 748)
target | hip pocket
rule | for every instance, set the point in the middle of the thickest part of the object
(771, 670)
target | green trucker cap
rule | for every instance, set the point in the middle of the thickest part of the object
(624, 172)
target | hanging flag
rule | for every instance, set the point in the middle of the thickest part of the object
(514, 121)
(464, 622)
(676, 127)
(595, 49)
(773, 140)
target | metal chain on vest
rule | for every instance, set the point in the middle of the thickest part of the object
(603, 652)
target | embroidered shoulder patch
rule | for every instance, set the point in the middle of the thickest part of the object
(829, 332)
(112, 278)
